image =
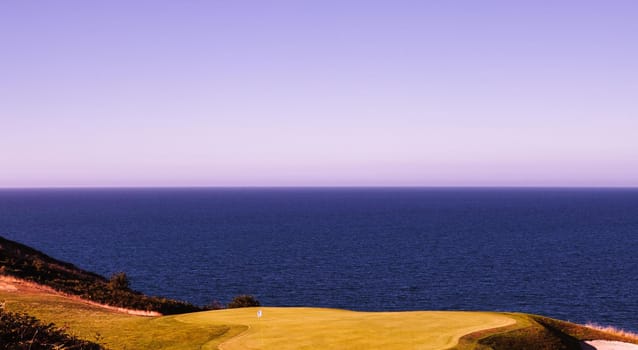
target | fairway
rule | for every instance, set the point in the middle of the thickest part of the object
(116, 330)
(278, 328)
(312, 328)
(286, 328)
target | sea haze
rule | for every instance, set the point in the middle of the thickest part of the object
(565, 253)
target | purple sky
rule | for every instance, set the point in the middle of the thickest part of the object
(250, 93)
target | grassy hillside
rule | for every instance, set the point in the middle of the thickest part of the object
(536, 332)
(27, 263)
(20, 331)
(303, 328)
(113, 329)
(279, 328)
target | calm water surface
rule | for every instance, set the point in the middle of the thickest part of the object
(566, 253)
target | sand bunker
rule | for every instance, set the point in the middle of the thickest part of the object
(608, 345)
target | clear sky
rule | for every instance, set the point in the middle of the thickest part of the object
(295, 93)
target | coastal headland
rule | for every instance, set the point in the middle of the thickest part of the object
(119, 327)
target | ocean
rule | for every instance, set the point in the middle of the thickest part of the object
(565, 253)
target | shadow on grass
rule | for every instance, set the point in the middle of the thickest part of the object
(536, 332)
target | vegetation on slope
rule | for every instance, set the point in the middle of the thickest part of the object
(243, 301)
(23, 332)
(295, 328)
(116, 330)
(536, 332)
(23, 262)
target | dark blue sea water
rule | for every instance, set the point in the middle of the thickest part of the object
(566, 253)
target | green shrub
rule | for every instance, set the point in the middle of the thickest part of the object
(119, 281)
(243, 301)
(24, 332)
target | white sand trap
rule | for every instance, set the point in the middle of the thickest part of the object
(608, 345)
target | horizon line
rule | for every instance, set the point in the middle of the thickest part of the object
(325, 187)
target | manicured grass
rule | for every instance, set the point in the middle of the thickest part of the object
(279, 328)
(304, 328)
(312, 328)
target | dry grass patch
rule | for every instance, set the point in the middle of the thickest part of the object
(614, 331)
(118, 331)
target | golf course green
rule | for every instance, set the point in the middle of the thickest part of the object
(278, 328)
(285, 328)
(313, 328)
(231, 329)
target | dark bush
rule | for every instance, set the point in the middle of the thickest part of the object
(119, 281)
(24, 332)
(243, 301)
(215, 305)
